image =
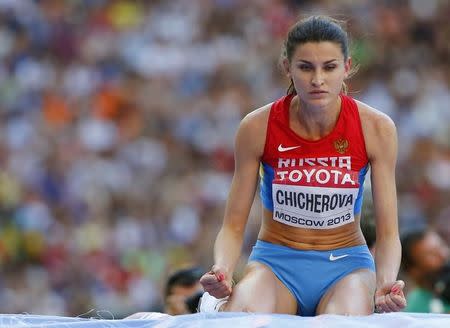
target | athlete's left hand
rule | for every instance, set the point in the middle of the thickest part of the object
(390, 297)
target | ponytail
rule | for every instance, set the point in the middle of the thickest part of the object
(291, 90)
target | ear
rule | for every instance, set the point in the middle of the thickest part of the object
(348, 66)
(286, 67)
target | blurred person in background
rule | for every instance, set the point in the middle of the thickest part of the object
(426, 260)
(182, 293)
(183, 290)
(311, 147)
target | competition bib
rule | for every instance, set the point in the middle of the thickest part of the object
(315, 193)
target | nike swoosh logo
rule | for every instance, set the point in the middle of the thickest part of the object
(283, 149)
(334, 258)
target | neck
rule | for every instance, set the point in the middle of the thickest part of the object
(317, 122)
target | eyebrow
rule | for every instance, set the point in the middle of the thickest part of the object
(308, 62)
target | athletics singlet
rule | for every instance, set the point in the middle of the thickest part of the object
(313, 184)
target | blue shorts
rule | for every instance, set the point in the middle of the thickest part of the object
(309, 274)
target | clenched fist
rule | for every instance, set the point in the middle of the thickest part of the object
(390, 297)
(216, 282)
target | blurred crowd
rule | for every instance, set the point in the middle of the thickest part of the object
(117, 121)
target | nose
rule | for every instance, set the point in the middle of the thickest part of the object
(317, 78)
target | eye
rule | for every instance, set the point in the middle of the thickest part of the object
(305, 67)
(330, 67)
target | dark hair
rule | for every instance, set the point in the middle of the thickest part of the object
(183, 277)
(315, 29)
(409, 238)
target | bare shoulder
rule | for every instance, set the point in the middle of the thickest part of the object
(258, 117)
(253, 128)
(255, 122)
(378, 128)
(373, 119)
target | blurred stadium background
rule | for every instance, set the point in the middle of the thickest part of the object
(117, 121)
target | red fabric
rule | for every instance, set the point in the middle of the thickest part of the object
(348, 128)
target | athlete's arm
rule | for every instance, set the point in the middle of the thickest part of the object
(381, 144)
(247, 155)
(249, 146)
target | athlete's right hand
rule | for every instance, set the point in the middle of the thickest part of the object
(216, 282)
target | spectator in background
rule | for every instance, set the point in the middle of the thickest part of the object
(182, 293)
(183, 290)
(426, 260)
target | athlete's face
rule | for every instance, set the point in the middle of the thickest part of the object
(318, 70)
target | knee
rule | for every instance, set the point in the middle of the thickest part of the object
(349, 308)
(356, 302)
(244, 302)
(356, 311)
(260, 307)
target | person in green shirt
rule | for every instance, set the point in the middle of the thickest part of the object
(426, 259)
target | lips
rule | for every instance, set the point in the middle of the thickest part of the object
(316, 92)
